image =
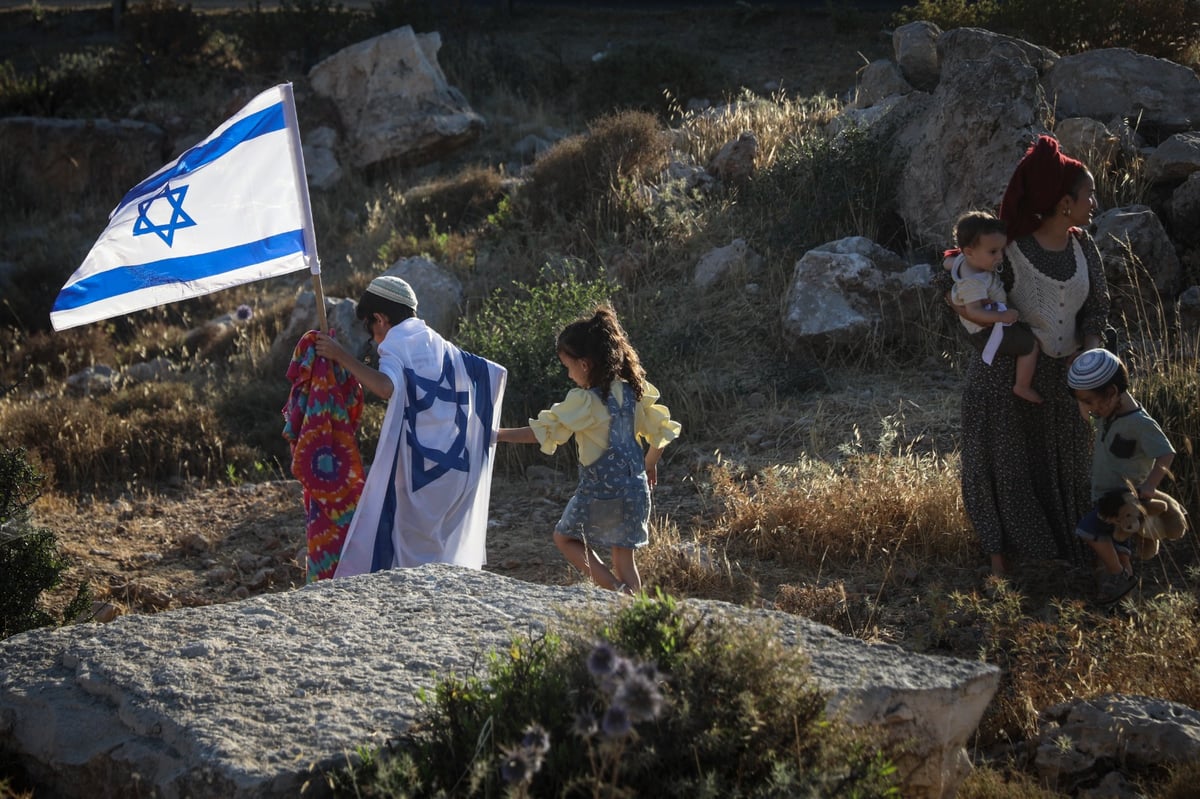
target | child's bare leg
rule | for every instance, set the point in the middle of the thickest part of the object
(625, 568)
(584, 559)
(1107, 554)
(1026, 366)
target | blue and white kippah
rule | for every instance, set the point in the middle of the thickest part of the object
(393, 288)
(1092, 369)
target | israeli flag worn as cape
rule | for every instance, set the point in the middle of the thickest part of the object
(426, 495)
(232, 209)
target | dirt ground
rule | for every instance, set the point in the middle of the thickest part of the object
(179, 547)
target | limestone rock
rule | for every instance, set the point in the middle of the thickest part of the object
(879, 80)
(439, 293)
(847, 293)
(1162, 95)
(960, 153)
(915, 49)
(394, 100)
(734, 162)
(320, 159)
(976, 43)
(1088, 140)
(737, 256)
(1189, 309)
(1077, 738)
(242, 699)
(339, 313)
(1176, 158)
(1185, 210)
(1140, 263)
(98, 379)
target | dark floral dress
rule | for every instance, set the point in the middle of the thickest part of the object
(1026, 467)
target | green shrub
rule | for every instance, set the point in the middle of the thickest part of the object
(518, 329)
(29, 558)
(825, 188)
(306, 30)
(83, 83)
(1162, 28)
(387, 15)
(163, 34)
(596, 711)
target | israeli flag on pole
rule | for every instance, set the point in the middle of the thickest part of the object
(232, 209)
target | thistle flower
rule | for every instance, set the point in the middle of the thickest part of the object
(640, 698)
(603, 660)
(519, 765)
(243, 313)
(536, 739)
(616, 722)
(585, 725)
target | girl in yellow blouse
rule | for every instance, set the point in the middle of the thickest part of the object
(612, 412)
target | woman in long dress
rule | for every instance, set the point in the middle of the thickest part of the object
(1025, 466)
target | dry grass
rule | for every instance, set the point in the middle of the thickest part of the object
(775, 121)
(595, 172)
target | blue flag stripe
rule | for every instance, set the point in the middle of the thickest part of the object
(257, 124)
(126, 279)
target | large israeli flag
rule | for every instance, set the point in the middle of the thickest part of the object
(426, 494)
(232, 209)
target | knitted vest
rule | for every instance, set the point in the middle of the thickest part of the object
(1047, 305)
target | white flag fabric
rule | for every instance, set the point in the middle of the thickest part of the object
(232, 209)
(426, 495)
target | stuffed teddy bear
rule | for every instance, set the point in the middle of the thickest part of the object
(1146, 521)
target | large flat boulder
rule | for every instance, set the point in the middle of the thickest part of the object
(249, 699)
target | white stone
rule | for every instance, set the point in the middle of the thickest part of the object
(242, 699)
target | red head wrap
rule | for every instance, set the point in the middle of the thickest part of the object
(1040, 180)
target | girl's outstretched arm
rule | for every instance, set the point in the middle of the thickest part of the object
(516, 435)
(652, 456)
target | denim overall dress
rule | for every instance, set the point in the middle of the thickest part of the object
(611, 506)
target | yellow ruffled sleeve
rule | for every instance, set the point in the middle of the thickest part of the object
(581, 414)
(652, 421)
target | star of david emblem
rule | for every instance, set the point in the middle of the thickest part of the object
(164, 230)
(429, 463)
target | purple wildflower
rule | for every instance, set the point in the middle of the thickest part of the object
(536, 738)
(585, 725)
(519, 765)
(616, 722)
(640, 697)
(603, 660)
(243, 313)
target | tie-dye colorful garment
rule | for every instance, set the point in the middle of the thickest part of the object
(320, 421)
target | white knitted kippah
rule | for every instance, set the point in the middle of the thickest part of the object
(393, 288)
(1092, 369)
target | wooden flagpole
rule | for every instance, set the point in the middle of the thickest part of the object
(310, 233)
